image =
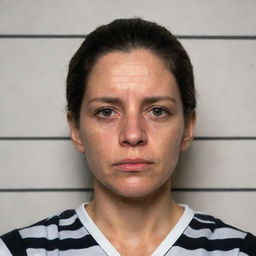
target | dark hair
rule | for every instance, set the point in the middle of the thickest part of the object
(126, 35)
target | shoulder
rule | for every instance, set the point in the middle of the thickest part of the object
(212, 234)
(56, 232)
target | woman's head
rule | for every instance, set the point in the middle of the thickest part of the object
(126, 35)
(128, 93)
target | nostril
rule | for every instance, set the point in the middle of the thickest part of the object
(140, 142)
(133, 143)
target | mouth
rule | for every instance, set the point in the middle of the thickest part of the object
(133, 165)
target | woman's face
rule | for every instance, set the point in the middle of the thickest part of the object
(131, 126)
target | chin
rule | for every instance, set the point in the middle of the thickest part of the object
(139, 193)
(135, 190)
(134, 186)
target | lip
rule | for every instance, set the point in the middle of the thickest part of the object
(137, 164)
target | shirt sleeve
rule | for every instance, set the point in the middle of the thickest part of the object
(248, 246)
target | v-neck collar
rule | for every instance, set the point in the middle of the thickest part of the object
(109, 249)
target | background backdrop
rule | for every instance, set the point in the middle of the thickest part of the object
(40, 172)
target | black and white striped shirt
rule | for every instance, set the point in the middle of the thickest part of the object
(73, 233)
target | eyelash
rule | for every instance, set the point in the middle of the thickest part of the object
(99, 111)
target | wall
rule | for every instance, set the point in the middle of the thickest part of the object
(41, 173)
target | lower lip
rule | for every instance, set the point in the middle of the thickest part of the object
(133, 167)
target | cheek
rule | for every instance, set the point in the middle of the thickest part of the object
(97, 141)
(169, 133)
(167, 141)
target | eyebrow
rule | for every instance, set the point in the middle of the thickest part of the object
(117, 101)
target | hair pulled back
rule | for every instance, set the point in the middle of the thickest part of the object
(126, 35)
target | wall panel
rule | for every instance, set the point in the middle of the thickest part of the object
(56, 164)
(217, 164)
(34, 71)
(33, 77)
(79, 16)
(42, 164)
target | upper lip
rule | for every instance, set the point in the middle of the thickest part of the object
(134, 161)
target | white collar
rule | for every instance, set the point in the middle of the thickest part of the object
(163, 247)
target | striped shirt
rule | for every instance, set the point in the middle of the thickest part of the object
(73, 233)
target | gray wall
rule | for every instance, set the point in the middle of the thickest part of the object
(42, 174)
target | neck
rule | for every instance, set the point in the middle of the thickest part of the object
(143, 216)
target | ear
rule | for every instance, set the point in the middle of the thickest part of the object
(188, 132)
(75, 133)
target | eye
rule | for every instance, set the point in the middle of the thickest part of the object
(159, 112)
(105, 112)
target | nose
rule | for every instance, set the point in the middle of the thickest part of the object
(132, 132)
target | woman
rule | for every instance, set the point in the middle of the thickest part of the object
(131, 111)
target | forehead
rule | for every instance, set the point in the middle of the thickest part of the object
(139, 71)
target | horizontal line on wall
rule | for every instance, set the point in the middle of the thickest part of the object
(45, 190)
(207, 37)
(195, 138)
(226, 138)
(31, 36)
(90, 190)
(214, 189)
(35, 138)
